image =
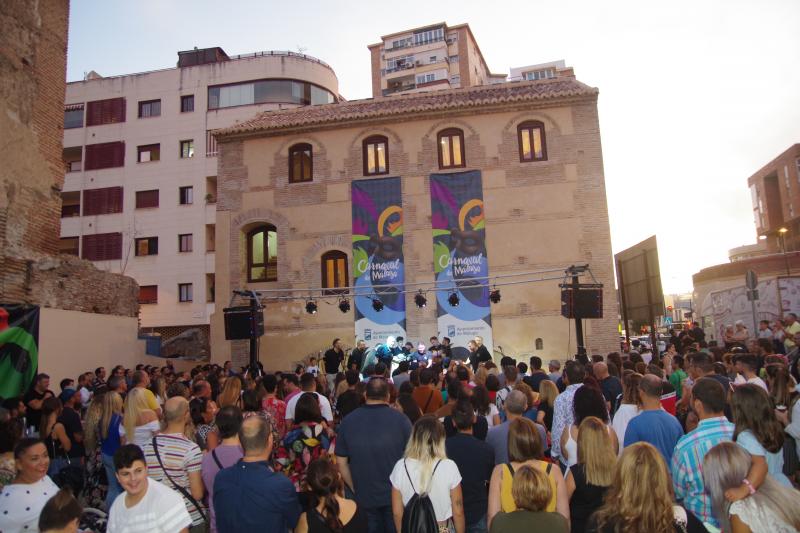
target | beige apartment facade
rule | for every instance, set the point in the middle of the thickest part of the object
(140, 191)
(544, 211)
(428, 58)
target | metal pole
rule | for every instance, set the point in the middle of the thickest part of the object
(253, 366)
(785, 257)
(755, 322)
(624, 305)
(650, 317)
(578, 323)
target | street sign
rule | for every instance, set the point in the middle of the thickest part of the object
(751, 280)
(752, 295)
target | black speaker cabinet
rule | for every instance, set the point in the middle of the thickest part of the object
(239, 323)
(582, 303)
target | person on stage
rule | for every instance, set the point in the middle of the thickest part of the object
(333, 358)
(385, 353)
(357, 356)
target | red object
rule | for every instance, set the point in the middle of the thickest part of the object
(669, 402)
(3, 319)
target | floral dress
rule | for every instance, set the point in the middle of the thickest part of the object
(301, 445)
(277, 410)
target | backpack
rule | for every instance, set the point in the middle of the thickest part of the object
(418, 514)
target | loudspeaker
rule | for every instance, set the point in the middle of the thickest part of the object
(588, 303)
(581, 303)
(241, 321)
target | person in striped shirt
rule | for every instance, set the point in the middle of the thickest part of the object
(175, 461)
(708, 402)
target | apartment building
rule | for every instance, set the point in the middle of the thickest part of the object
(775, 193)
(428, 58)
(541, 71)
(139, 197)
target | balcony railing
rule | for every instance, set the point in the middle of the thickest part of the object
(404, 66)
(399, 88)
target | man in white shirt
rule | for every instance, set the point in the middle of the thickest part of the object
(308, 383)
(747, 365)
(146, 504)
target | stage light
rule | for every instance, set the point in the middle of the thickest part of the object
(311, 307)
(453, 299)
(420, 299)
(377, 304)
(494, 296)
(344, 305)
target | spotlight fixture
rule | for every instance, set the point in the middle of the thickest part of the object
(453, 299)
(377, 304)
(420, 299)
(344, 305)
(494, 296)
(311, 307)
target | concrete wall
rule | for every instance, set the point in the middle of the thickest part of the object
(539, 215)
(71, 342)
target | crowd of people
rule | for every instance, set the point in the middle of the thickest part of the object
(694, 439)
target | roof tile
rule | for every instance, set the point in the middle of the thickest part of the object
(411, 104)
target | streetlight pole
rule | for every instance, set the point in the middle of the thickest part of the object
(782, 236)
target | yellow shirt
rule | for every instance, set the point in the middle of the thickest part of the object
(151, 400)
(507, 504)
(794, 329)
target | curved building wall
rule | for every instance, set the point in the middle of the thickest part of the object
(172, 217)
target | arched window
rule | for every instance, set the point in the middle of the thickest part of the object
(262, 254)
(301, 163)
(532, 142)
(376, 155)
(451, 148)
(334, 271)
(539, 344)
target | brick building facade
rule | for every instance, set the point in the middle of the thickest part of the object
(33, 47)
(543, 214)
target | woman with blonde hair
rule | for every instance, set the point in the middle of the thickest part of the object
(531, 492)
(588, 480)
(525, 447)
(481, 375)
(629, 407)
(548, 392)
(159, 390)
(112, 436)
(773, 508)
(640, 500)
(140, 422)
(425, 469)
(231, 393)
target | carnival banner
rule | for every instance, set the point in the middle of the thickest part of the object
(459, 259)
(378, 269)
(19, 353)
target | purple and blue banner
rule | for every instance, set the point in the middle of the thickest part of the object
(459, 259)
(378, 269)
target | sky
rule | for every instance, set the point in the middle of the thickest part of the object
(695, 95)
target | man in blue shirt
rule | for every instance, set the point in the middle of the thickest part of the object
(249, 496)
(370, 441)
(653, 424)
(708, 402)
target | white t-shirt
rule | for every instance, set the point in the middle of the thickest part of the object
(490, 417)
(313, 370)
(161, 510)
(324, 406)
(758, 381)
(445, 479)
(625, 413)
(22, 503)
(144, 433)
